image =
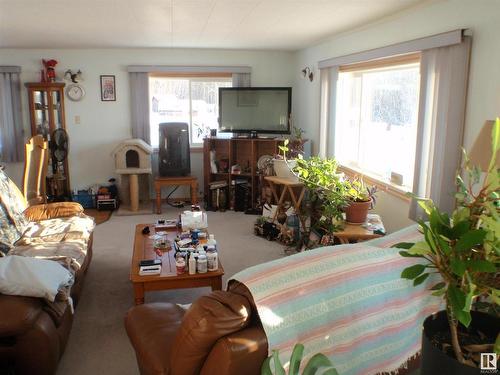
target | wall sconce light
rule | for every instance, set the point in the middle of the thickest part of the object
(307, 72)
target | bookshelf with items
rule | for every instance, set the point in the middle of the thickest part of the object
(231, 177)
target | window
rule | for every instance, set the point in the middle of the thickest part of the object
(194, 100)
(376, 120)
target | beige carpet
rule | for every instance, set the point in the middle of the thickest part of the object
(98, 343)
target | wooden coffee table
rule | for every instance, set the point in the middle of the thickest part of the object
(168, 279)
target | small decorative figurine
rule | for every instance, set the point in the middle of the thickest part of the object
(75, 77)
(50, 72)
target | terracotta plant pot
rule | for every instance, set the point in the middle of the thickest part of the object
(435, 361)
(357, 212)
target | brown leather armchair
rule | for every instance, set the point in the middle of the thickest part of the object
(219, 334)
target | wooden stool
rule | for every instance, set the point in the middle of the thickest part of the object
(175, 181)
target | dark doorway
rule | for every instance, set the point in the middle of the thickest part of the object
(132, 159)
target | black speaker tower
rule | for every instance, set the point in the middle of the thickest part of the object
(174, 157)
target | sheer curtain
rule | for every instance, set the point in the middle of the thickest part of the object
(11, 127)
(328, 79)
(443, 92)
(139, 102)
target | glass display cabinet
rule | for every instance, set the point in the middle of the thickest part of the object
(46, 104)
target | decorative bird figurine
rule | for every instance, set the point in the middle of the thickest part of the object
(75, 77)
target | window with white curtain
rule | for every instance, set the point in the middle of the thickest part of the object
(194, 100)
(376, 120)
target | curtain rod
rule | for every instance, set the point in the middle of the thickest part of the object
(416, 45)
(10, 69)
(187, 69)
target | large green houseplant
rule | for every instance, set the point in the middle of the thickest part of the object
(464, 248)
(327, 191)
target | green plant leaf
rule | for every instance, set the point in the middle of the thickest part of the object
(420, 279)
(496, 347)
(413, 271)
(278, 367)
(403, 245)
(456, 298)
(481, 266)
(426, 204)
(458, 266)
(444, 245)
(406, 254)
(266, 367)
(316, 361)
(439, 293)
(298, 351)
(438, 286)
(461, 226)
(420, 248)
(470, 239)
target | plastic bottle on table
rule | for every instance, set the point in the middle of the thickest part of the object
(201, 264)
(211, 241)
(192, 264)
(212, 261)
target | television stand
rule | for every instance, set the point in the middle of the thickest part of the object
(228, 152)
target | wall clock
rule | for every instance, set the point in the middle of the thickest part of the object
(75, 92)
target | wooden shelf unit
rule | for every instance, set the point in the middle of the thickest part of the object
(243, 151)
(46, 105)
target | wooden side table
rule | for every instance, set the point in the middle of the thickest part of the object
(175, 181)
(355, 233)
(288, 185)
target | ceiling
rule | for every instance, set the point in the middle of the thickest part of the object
(242, 24)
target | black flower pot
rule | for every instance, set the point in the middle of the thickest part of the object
(435, 361)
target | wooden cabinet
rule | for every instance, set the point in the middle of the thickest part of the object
(46, 105)
(244, 152)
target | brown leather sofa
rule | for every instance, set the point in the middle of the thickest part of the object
(220, 334)
(32, 337)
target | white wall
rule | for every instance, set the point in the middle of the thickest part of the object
(480, 16)
(105, 124)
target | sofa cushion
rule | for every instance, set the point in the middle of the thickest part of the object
(32, 277)
(65, 229)
(12, 220)
(71, 254)
(53, 210)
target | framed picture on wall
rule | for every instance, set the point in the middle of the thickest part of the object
(108, 88)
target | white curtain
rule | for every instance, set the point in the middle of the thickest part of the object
(328, 82)
(443, 91)
(11, 127)
(139, 102)
(241, 80)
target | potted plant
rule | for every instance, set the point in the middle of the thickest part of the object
(318, 363)
(283, 166)
(361, 199)
(326, 192)
(464, 249)
(296, 144)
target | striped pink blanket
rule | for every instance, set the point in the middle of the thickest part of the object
(348, 302)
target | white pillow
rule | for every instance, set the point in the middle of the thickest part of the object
(32, 277)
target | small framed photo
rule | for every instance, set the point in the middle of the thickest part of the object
(108, 88)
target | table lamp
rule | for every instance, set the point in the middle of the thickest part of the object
(480, 153)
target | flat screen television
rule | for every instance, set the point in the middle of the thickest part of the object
(255, 110)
